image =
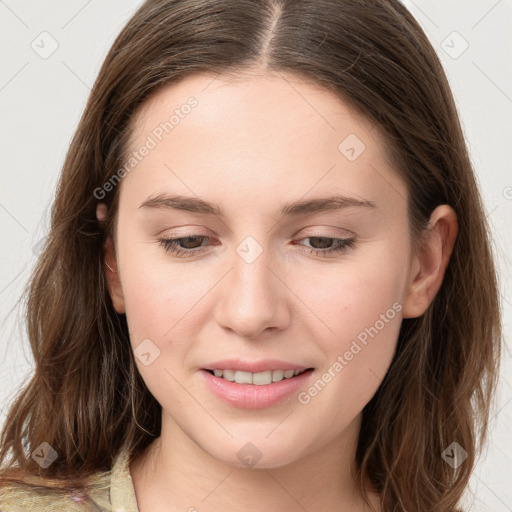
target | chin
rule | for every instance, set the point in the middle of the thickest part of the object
(258, 455)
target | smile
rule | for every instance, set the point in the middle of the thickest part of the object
(247, 390)
(258, 379)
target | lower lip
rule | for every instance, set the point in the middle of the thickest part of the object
(251, 396)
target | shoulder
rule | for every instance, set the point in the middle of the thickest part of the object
(107, 490)
(19, 497)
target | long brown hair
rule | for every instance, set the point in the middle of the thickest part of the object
(86, 398)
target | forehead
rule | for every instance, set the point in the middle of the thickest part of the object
(281, 103)
(258, 132)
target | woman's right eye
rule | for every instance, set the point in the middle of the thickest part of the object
(173, 244)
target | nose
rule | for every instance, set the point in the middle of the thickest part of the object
(253, 298)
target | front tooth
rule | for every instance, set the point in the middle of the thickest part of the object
(288, 374)
(277, 375)
(262, 378)
(217, 373)
(229, 375)
(243, 377)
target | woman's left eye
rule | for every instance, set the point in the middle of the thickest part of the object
(175, 245)
(341, 245)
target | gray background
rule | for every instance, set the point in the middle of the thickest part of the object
(42, 97)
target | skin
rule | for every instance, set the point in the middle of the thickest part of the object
(269, 139)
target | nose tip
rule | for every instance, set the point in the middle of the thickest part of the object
(253, 301)
(250, 328)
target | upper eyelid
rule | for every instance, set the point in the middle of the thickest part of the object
(209, 238)
(346, 233)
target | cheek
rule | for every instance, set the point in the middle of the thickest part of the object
(354, 295)
(360, 313)
(358, 349)
(157, 294)
(158, 303)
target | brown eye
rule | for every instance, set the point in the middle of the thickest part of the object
(183, 245)
(323, 245)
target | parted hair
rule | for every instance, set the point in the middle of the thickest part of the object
(86, 398)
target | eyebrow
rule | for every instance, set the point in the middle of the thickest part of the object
(293, 209)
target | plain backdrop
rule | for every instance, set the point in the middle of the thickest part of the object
(51, 52)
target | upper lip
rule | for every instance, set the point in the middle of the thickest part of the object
(262, 365)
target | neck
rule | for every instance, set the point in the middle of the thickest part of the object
(176, 474)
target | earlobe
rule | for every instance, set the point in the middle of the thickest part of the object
(430, 261)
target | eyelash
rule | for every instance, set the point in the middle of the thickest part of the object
(170, 245)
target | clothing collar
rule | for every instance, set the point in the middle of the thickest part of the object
(122, 491)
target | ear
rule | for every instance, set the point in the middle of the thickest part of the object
(430, 260)
(110, 265)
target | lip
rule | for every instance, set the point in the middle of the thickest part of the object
(250, 396)
(254, 366)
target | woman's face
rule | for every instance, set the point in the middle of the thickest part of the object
(255, 163)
